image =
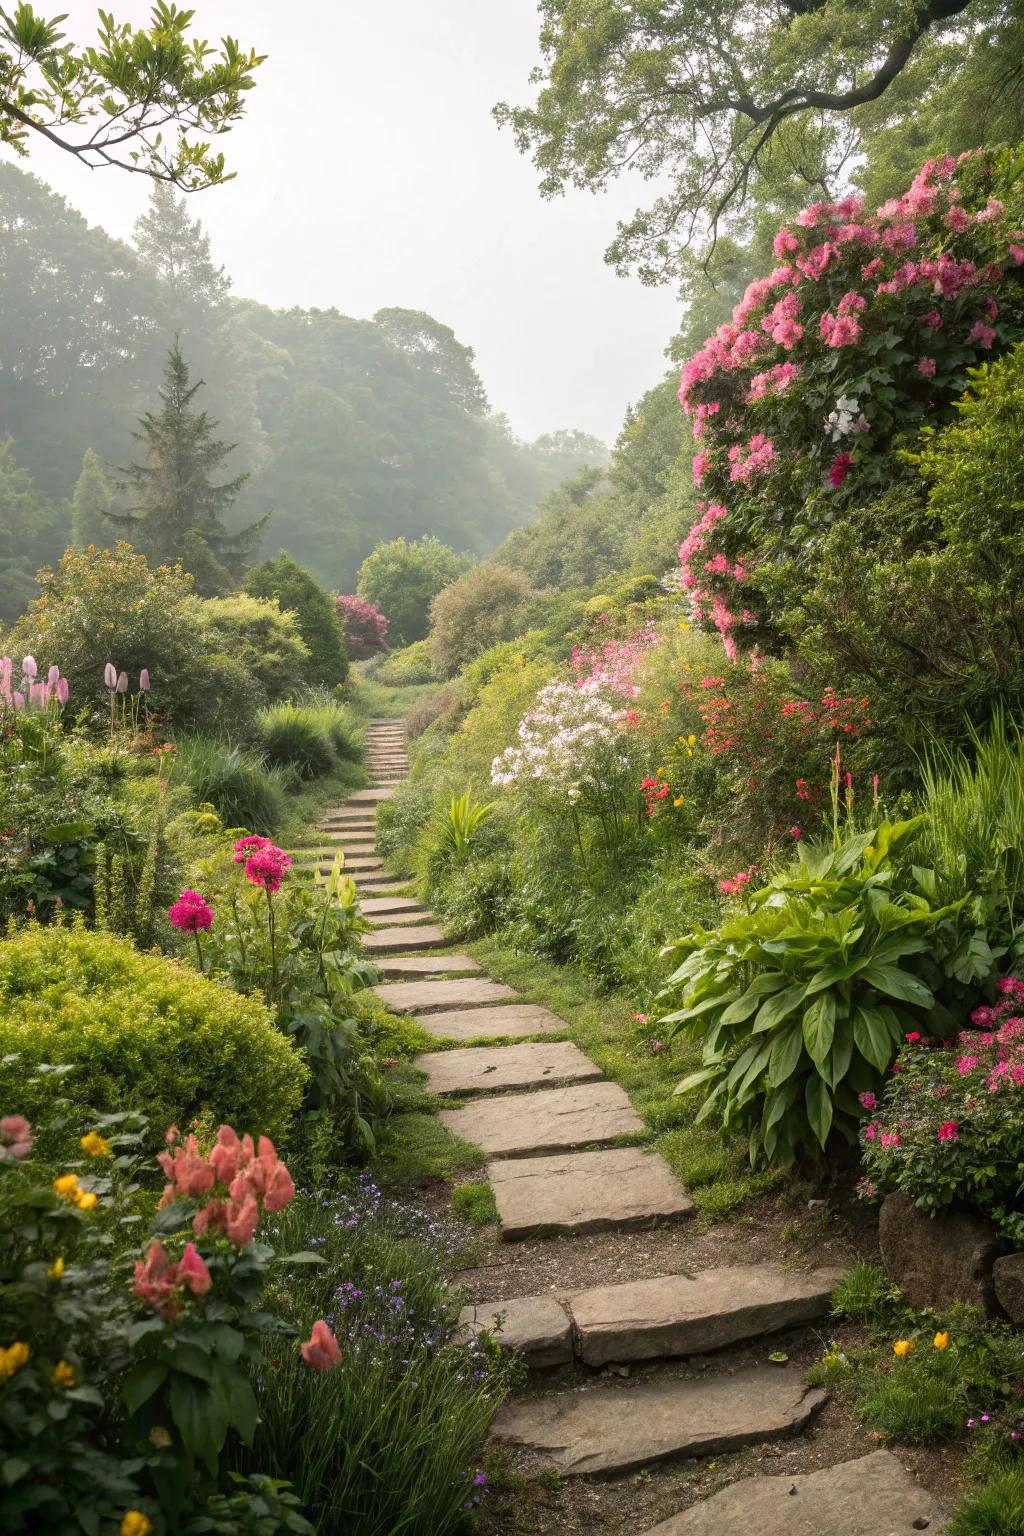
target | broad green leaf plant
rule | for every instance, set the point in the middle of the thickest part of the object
(802, 1000)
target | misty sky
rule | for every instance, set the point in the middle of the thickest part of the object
(370, 173)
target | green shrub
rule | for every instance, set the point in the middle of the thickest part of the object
(343, 729)
(264, 640)
(410, 665)
(996, 1509)
(475, 1204)
(480, 609)
(294, 737)
(141, 1033)
(299, 594)
(242, 789)
(402, 577)
(919, 1402)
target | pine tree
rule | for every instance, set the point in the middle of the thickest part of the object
(179, 511)
(91, 505)
(176, 249)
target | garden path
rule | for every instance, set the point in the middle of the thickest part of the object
(565, 1156)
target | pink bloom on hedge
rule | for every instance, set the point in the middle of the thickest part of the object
(321, 1351)
(192, 1271)
(784, 243)
(808, 217)
(948, 1131)
(844, 332)
(1017, 254)
(851, 303)
(993, 209)
(983, 334)
(966, 1064)
(890, 1138)
(839, 469)
(815, 264)
(701, 461)
(899, 235)
(872, 268)
(1010, 986)
(867, 1100)
(190, 912)
(957, 220)
(267, 868)
(144, 680)
(242, 1218)
(15, 1138)
(795, 833)
(926, 365)
(933, 319)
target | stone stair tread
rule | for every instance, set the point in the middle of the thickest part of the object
(371, 796)
(613, 1429)
(690, 1314)
(387, 906)
(362, 861)
(418, 997)
(399, 939)
(609, 1190)
(536, 1327)
(346, 846)
(404, 967)
(551, 1120)
(379, 882)
(871, 1496)
(510, 1019)
(416, 917)
(483, 1070)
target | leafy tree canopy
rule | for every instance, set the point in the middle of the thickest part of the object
(722, 100)
(299, 593)
(143, 99)
(402, 578)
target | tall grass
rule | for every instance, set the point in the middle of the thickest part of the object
(242, 787)
(293, 737)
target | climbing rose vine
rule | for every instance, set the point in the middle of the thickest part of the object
(862, 334)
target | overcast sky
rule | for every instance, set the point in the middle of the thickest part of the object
(371, 173)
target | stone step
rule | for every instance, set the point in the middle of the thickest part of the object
(609, 1429)
(553, 1120)
(871, 1496)
(348, 847)
(405, 967)
(379, 883)
(361, 862)
(605, 1191)
(693, 1314)
(483, 1070)
(394, 906)
(536, 1327)
(368, 797)
(343, 821)
(416, 917)
(384, 941)
(418, 997)
(513, 1019)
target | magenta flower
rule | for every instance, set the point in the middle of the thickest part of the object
(267, 868)
(983, 334)
(839, 469)
(191, 912)
(948, 1131)
(247, 845)
(867, 1100)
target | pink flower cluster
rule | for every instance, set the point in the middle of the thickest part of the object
(190, 912)
(15, 1138)
(756, 458)
(321, 1350)
(365, 626)
(32, 690)
(243, 1178)
(162, 1284)
(265, 864)
(741, 878)
(616, 662)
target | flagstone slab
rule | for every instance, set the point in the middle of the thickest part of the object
(691, 1314)
(379, 882)
(417, 917)
(482, 1070)
(405, 967)
(511, 1020)
(872, 1496)
(418, 997)
(553, 1120)
(370, 796)
(399, 940)
(536, 1327)
(609, 1190)
(613, 1429)
(357, 850)
(362, 861)
(393, 906)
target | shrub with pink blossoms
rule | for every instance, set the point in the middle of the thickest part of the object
(365, 626)
(885, 311)
(950, 1124)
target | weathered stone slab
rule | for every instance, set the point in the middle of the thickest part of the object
(404, 966)
(873, 1496)
(378, 882)
(369, 796)
(524, 1124)
(611, 1190)
(493, 1023)
(430, 996)
(351, 847)
(361, 862)
(398, 940)
(692, 1314)
(390, 906)
(404, 920)
(480, 1070)
(613, 1429)
(536, 1327)
(937, 1260)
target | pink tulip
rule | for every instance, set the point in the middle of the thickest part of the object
(122, 682)
(110, 676)
(63, 690)
(29, 667)
(144, 680)
(320, 1351)
(193, 1272)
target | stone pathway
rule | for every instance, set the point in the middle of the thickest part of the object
(553, 1128)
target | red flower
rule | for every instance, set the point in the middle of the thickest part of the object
(840, 468)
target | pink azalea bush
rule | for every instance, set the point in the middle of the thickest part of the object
(950, 1123)
(862, 334)
(365, 626)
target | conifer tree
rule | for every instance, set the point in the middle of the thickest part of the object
(179, 509)
(91, 505)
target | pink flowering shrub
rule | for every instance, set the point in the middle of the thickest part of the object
(860, 336)
(950, 1122)
(365, 626)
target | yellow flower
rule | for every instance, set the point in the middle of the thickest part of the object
(66, 1186)
(135, 1523)
(12, 1359)
(63, 1375)
(85, 1200)
(691, 740)
(660, 772)
(160, 1437)
(56, 1269)
(683, 624)
(902, 1347)
(679, 800)
(95, 1145)
(941, 1341)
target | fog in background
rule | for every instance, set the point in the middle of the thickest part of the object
(370, 173)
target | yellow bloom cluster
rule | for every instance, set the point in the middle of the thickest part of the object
(902, 1347)
(135, 1523)
(67, 1187)
(12, 1359)
(56, 1269)
(63, 1375)
(95, 1145)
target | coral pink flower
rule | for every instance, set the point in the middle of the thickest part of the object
(153, 1281)
(321, 1351)
(188, 1171)
(192, 1271)
(983, 334)
(242, 1220)
(15, 1138)
(225, 1155)
(927, 367)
